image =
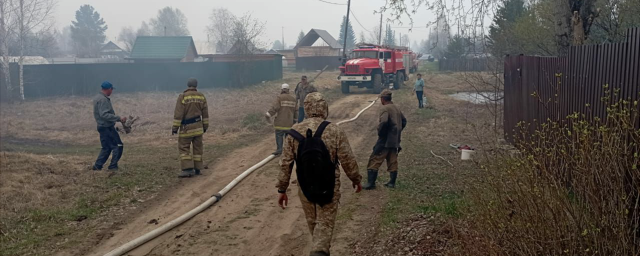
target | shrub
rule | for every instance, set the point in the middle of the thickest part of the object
(572, 189)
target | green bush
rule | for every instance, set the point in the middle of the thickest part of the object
(573, 188)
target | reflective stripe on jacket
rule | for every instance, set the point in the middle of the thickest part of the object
(191, 104)
(284, 110)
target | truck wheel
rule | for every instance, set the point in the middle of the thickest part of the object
(399, 81)
(345, 87)
(377, 83)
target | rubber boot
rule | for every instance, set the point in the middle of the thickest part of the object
(372, 175)
(186, 173)
(392, 180)
(319, 253)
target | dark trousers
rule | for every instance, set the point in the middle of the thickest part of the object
(300, 115)
(420, 103)
(280, 134)
(111, 143)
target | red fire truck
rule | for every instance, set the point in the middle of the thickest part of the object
(376, 67)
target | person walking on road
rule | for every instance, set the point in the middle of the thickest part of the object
(191, 119)
(317, 156)
(390, 127)
(302, 90)
(418, 89)
(284, 110)
(106, 119)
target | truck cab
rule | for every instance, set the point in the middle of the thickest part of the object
(374, 67)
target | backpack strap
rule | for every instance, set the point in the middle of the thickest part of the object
(321, 128)
(296, 135)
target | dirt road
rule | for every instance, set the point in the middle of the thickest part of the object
(248, 220)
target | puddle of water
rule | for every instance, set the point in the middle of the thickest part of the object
(478, 97)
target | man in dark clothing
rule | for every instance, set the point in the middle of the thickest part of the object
(302, 90)
(390, 127)
(106, 120)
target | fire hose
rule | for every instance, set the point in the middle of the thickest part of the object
(216, 198)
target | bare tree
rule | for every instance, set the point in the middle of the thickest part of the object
(221, 28)
(128, 37)
(374, 35)
(5, 25)
(32, 16)
(169, 22)
(144, 30)
(246, 35)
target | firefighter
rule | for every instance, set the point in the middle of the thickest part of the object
(191, 119)
(320, 218)
(106, 120)
(284, 110)
(390, 127)
(303, 88)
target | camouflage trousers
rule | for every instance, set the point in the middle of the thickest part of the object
(377, 158)
(321, 221)
(187, 159)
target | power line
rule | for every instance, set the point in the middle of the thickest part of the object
(327, 2)
(354, 16)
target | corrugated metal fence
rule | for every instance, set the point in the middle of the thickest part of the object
(538, 89)
(467, 64)
(85, 79)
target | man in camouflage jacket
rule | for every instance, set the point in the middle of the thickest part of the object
(321, 219)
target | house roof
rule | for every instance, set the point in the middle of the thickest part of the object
(29, 60)
(111, 46)
(313, 36)
(162, 47)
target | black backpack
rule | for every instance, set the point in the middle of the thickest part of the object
(315, 170)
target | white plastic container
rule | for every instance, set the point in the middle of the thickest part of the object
(466, 154)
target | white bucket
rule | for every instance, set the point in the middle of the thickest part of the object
(466, 154)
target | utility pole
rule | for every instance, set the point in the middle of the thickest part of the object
(380, 35)
(282, 38)
(346, 29)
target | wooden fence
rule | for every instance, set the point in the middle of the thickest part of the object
(538, 89)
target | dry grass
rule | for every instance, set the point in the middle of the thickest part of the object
(70, 120)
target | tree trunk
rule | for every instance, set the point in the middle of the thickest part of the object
(4, 51)
(573, 22)
(20, 62)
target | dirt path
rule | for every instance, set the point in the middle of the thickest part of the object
(248, 221)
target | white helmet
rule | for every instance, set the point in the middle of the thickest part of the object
(285, 86)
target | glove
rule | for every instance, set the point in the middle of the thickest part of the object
(205, 130)
(174, 132)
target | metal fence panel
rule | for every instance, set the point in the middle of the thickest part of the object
(538, 89)
(84, 79)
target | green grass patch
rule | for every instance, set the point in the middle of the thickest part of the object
(430, 66)
(253, 122)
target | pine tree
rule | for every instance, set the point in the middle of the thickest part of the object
(501, 32)
(351, 35)
(300, 36)
(88, 31)
(389, 38)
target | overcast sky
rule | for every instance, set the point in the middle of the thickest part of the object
(293, 15)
